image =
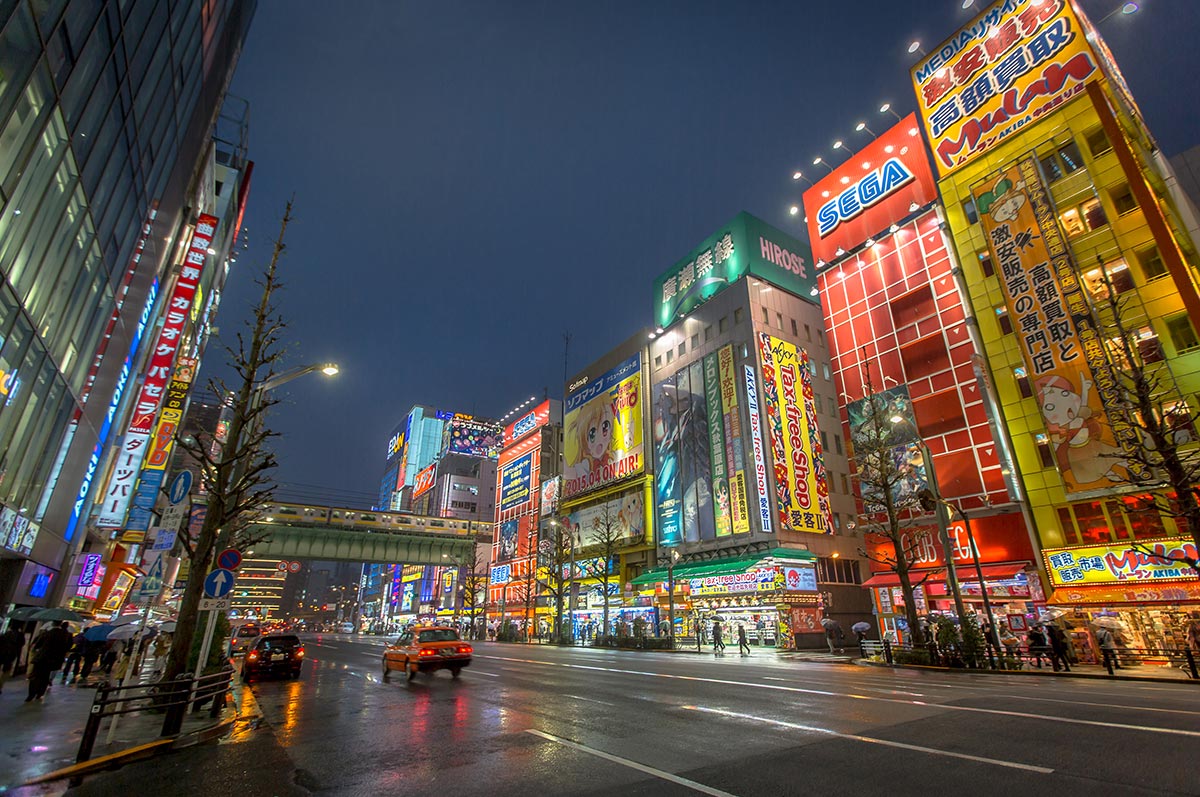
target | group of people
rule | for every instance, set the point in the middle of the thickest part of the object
(1050, 641)
(718, 638)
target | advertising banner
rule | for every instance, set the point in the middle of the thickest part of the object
(1081, 565)
(119, 491)
(735, 455)
(801, 487)
(550, 491)
(603, 434)
(716, 447)
(699, 490)
(624, 516)
(1061, 346)
(998, 539)
(516, 482)
(424, 481)
(760, 454)
(869, 192)
(472, 437)
(667, 498)
(998, 74)
(162, 444)
(746, 245)
(732, 583)
(531, 421)
(885, 407)
(514, 537)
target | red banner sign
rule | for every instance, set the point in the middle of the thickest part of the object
(998, 538)
(424, 481)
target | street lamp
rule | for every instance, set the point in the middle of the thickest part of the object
(671, 560)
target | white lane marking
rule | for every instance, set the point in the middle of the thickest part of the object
(869, 688)
(872, 740)
(1090, 703)
(477, 671)
(590, 700)
(853, 696)
(658, 773)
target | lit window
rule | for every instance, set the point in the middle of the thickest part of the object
(1151, 262)
(1183, 335)
(1045, 453)
(1003, 320)
(1114, 273)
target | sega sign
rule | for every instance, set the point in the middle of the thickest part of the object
(501, 574)
(868, 193)
(538, 417)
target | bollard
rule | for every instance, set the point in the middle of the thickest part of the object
(92, 728)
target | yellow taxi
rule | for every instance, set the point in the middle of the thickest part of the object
(426, 649)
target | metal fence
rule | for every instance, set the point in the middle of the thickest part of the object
(1018, 657)
(170, 699)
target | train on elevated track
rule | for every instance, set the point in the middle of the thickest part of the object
(369, 520)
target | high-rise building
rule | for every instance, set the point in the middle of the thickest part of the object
(107, 166)
(1058, 198)
(421, 439)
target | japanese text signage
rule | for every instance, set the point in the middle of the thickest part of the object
(162, 360)
(603, 435)
(755, 581)
(516, 480)
(161, 445)
(760, 454)
(735, 455)
(1062, 347)
(744, 245)
(1013, 63)
(424, 481)
(800, 483)
(716, 447)
(1113, 564)
(869, 192)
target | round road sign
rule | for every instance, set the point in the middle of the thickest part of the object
(282, 567)
(294, 567)
(229, 559)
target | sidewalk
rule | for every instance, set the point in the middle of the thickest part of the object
(1134, 672)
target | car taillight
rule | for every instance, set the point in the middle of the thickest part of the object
(464, 648)
(299, 653)
(252, 656)
(427, 652)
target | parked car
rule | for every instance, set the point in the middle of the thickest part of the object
(273, 654)
(426, 649)
(242, 638)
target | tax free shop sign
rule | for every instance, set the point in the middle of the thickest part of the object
(746, 245)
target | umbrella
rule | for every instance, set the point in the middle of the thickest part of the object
(1108, 622)
(828, 622)
(58, 614)
(24, 613)
(125, 619)
(98, 633)
(861, 626)
(123, 632)
(1052, 613)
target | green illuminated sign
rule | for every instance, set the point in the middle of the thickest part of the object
(746, 245)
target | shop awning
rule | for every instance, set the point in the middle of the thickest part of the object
(1111, 595)
(965, 574)
(722, 567)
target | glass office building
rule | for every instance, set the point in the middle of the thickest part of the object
(107, 115)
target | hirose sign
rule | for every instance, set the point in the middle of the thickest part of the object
(869, 192)
(1013, 63)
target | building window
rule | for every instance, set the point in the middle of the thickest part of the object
(1114, 273)
(837, 443)
(745, 350)
(795, 332)
(985, 263)
(695, 341)
(723, 324)
(779, 320)
(708, 333)
(825, 372)
(808, 333)
(682, 349)
(1148, 345)
(1122, 199)
(817, 401)
(738, 315)
(1045, 453)
(766, 317)
(1023, 383)
(1098, 143)
(1050, 168)
(1003, 320)
(837, 571)
(658, 361)
(968, 207)
(670, 355)
(824, 441)
(1063, 161)
(837, 523)
(1151, 262)
(845, 485)
(1183, 335)
(1083, 218)
(820, 336)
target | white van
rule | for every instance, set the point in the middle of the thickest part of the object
(346, 628)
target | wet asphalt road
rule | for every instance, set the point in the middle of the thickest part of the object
(548, 721)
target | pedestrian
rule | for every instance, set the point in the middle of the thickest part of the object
(1108, 647)
(11, 643)
(47, 653)
(1060, 648)
(1036, 639)
(74, 657)
(834, 635)
(718, 642)
(109, 657)
(743, 643)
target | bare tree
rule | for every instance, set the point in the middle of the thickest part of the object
(475, 587)
(888, 508)
(555, 562)
(1146, 399)
(608, 535)
(236, 471)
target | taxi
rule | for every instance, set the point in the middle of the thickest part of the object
(426, 649)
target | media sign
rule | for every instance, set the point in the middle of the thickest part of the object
(1081, 565)
(531, 421)
(760, 459)
(869, 192)
(516, 480)
(998, 74)
(424, 481)
(603, 431)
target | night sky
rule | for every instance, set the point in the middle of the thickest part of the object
(472, 180)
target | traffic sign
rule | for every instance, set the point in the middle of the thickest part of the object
(181, 485)
(294, 567)
(229, 559)
(172, 516)
(152, 582)
(282, 567)
(218, 604)
(218, 583)
(164, 539)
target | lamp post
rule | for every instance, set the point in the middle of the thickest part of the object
(993, 634)
(671, 558)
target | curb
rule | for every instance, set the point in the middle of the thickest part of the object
(1031, 673)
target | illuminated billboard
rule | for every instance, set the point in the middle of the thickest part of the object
(869, 192)
(603, 430)
(1160, 560)
(425, 481)
(746, 245)
(516, 482)
(471, 436)
(801, 487)
(1063, 348)
(998, 74)
(535, 419)
(893, 408)
(623, 517)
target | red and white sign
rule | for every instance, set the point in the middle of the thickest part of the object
(282, 567)
(872, 190)
(293, 567)
(998, 538)
(119, 491)
(534, 419)
(424, 481)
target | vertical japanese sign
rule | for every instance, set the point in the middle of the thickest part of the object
(735, 455)
(668, 501)
(162, 444)
(800, 483)
(998, 74)
(716, 447)
(137, 436)
(1059, 341)
(760, 455)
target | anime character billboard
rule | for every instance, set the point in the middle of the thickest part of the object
(1057, 333)
(603, 434)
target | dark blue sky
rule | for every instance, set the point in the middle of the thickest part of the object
(474, 179)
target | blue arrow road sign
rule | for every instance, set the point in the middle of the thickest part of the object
(218, 583)
(181, 485)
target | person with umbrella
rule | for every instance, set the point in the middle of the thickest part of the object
(1060, 647)
(11, 643)
(833, 633)
(47, 653)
